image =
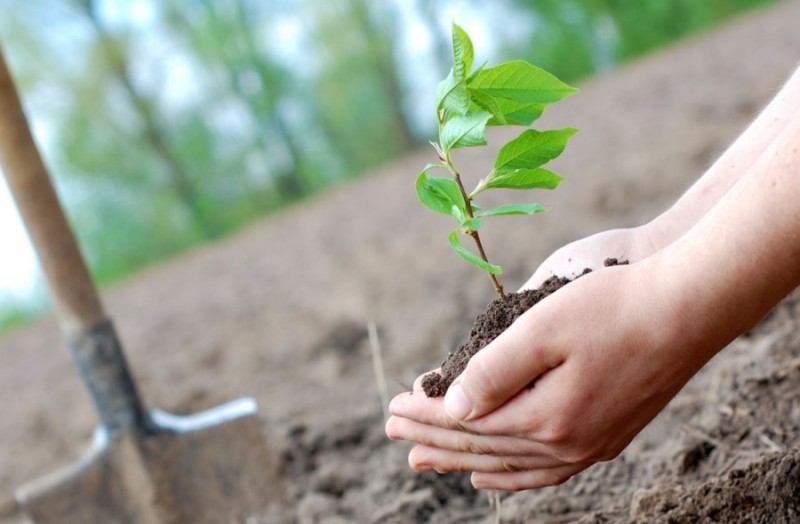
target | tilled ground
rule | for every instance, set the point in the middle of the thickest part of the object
(280, 311)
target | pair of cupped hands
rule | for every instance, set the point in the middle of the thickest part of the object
(607, 352)
(604, 354)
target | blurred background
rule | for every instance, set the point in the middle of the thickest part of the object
(168, 124)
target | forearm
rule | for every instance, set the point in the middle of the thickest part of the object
(743, 256)
(637, 244)
(729, 168)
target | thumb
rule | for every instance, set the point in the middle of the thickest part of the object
(500, 370)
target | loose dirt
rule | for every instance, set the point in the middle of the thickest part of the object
(279, 312)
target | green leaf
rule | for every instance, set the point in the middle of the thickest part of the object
(539, 178)
(532, 148)
(512, 209)
(521, 82)
(440, 194)
(458, 214)
(471, 257)
(489, 104)
(429, 166)
(464, 131)
(463, 53)
(514, 113)
(452, 95)
(467, 223)
(477, 71)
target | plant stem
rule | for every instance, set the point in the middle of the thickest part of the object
(474, 234)
(496, 283)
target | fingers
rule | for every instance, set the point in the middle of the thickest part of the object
(398, 428)
(590, 252)
(530, 415)
(502, 369)
(424, 458)
(430, 412)
(532, 479)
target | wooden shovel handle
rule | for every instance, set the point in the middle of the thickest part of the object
(71, 288)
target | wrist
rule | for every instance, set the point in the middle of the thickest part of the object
(688, 321)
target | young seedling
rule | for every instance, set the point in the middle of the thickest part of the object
(510, 94)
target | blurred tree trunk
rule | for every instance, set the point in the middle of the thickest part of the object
(293, 182)
(227, 40)
(180, 181)
(381, 39)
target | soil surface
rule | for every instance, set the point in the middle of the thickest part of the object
(280, 313)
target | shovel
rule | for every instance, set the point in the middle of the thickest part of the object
(143, 467)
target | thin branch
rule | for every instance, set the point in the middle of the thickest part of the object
(496, 283)
(476, 237)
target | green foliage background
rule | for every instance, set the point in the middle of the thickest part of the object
(169, 124)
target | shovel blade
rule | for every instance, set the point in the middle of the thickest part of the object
(208, 468)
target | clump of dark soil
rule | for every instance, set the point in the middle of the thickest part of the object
(767, 492)
(499, 315)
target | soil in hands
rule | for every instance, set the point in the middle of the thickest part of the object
(499, 315)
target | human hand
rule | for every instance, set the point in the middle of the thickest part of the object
(605, 354)
(631, 244)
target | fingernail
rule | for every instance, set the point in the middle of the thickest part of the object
(456, 403)
(423, 468)
(477, 483)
